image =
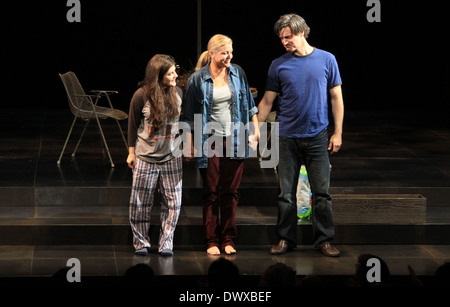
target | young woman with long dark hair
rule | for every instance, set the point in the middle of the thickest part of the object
(152, 140)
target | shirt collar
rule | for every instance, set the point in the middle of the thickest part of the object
(206, 75)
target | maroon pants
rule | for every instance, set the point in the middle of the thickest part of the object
(221, 180)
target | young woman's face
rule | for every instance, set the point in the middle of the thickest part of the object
(223, 56)
(170, 78)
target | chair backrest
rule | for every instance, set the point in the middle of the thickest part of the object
(78, 105)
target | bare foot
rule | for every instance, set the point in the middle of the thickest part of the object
(213, 251)
(230, 250)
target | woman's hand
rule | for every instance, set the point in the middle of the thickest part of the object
(131, 159)
(253, 138)
(253, 141)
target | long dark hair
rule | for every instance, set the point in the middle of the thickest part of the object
(163, 99)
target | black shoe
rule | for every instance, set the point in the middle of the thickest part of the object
(166, 252)
(142, 252)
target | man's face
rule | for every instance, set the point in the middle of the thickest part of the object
(290, 41)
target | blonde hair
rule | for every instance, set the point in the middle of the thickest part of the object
(215, 43)
(202, 60)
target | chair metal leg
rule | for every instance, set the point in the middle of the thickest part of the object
(118, 124)
(67, 139)
(104, 139)
(81, 136)
(123, 136)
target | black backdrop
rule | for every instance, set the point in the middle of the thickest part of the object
(399, 63)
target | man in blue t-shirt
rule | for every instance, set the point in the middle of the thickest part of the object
(303, 79)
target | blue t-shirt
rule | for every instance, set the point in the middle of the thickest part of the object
(303, 83)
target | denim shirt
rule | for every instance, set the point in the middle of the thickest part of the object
(199, 101)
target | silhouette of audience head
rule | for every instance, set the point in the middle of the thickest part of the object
(365, 271)
(443, 275)
(141, 275)
(223, 273)
(60, 277)
(279, 275)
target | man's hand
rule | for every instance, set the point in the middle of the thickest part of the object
(335, 143)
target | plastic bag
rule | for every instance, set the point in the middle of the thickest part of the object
(303, 195)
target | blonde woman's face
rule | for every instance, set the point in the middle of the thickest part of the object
(170, 78)
(222, 57)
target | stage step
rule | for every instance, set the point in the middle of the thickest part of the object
(193, 234)
(359, 219)
(379, 208)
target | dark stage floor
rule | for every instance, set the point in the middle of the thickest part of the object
(50, 213)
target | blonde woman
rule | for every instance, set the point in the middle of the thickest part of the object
(220, 93)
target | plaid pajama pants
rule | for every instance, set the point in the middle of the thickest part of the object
(147, 179)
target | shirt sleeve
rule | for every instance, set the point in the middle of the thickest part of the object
(272, 81)
(334, 77)
(253, 109)
(189, 102)
(135, 116)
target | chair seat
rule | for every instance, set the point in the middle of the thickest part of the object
(102, 113)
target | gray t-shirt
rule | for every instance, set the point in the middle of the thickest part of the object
(221, 111)
(152, 146)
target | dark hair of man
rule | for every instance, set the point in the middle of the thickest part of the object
(295, 22)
